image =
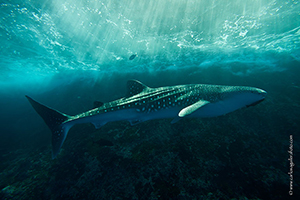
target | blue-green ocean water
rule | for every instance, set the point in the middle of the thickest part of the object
(68, 54)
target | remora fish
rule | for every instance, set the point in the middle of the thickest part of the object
(143, 103)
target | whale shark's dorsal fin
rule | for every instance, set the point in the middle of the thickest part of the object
(135, 87)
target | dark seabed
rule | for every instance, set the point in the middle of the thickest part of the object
(69, 55)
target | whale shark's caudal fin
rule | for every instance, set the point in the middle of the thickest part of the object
(55, 121)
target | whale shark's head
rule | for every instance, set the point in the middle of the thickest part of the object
(246, 96)
(225, 99)
(257, 95)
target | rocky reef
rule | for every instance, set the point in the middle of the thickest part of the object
(236, 156)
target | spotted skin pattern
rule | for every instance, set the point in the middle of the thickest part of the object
(146, 100)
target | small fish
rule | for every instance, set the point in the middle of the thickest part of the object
(132, 56)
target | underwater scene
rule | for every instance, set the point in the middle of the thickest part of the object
(157, 99)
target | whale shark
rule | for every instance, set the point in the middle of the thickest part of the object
(143, 103)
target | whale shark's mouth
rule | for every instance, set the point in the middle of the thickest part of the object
(255, 103)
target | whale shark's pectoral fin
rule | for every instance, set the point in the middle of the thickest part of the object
(189, 110)
(192, 108)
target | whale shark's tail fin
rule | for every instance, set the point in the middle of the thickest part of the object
(55, 120)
